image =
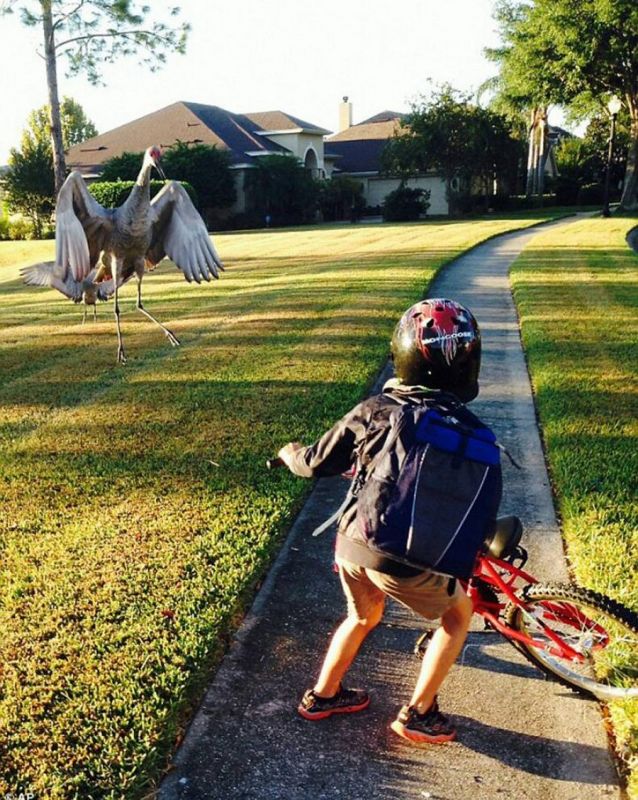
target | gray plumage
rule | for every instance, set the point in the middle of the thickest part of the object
(98, 244)
(86, 291)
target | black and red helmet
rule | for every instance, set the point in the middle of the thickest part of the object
(437, 343)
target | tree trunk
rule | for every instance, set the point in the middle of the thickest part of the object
(531, 157)
(59, 162)
(629, 199)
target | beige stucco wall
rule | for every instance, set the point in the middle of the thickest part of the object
(375, 190)
(298, 144)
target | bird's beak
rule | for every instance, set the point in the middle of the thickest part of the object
(158, 167)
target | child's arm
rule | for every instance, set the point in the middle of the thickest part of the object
(334, 452)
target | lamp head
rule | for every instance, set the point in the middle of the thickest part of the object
(614, 104)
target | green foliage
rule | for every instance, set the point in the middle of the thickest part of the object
(121, 168)
(112, 194)
(582, 164)
(29, 185)
(76, 126)
(448, 133)
(97, 31)
(19, 228)
(281, 189)
(567, 284)
(137, 516)
(575, 54)
(29, 181)
(405, 204)
(596, 145)
(206, 169)
(341, 198)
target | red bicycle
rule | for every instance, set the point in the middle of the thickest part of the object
(578, 637)
(581, 638)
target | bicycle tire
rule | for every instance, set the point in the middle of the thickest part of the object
(601, 629)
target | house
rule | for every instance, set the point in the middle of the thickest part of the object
(355, 151)
(247, 137)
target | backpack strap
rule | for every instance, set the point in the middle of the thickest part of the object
(361, 473)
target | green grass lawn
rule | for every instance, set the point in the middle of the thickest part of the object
(577, 294)
(137, 516)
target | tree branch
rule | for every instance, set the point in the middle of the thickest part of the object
(66, 16)
(115, 34)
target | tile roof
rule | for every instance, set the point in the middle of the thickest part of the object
(280, 121)
(370, 129)
(356, 156)
(359, 147)
(236, 132)
(384, 116)
(186, 122)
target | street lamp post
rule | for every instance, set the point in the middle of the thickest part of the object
(613, 106)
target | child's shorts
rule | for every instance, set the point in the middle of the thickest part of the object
(428, 594)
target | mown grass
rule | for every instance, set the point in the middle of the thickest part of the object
(577, 294)
(137, 517)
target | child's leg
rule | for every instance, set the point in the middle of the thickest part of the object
(365, 609)
(344, 646)
(442, 651)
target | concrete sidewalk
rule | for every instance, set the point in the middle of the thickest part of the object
(519, 735)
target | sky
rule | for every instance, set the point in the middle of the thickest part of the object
(298, 56)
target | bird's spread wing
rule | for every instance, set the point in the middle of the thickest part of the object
(179, 232)
(51, 274)
(82, 227)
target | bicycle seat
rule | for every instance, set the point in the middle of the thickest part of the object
(506, 536)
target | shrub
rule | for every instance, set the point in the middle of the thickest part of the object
(282, 189)
(122, 168)
(112, 194)
(405, 204)
(20, 227)
(341, 198)
(500, 202)
(591, 194)
(566, 188)
(462, 203)
(205, 168)
(244, 220)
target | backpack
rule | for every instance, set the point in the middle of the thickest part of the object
(429, 497)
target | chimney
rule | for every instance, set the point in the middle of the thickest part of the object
(345, 114)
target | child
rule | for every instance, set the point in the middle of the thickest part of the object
(436, 349)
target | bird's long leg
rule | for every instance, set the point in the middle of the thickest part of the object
(169, 334)
(121, 358)
(95, 312)
(83, 313)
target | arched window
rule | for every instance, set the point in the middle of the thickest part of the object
(311, 163)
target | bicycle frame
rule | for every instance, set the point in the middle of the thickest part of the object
(502, 577)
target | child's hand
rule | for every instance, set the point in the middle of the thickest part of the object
(286, 452)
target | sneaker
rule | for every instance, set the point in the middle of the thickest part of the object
(431, 727)
(345, 701)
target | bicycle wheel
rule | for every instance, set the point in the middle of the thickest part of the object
(602, 634)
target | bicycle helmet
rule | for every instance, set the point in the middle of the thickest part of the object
(437, 343)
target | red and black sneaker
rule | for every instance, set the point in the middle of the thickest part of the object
(431, 727)
(345, 701)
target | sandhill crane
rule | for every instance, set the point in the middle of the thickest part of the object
(119, 242)
(87, 291)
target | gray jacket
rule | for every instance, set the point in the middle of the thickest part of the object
(351, 442)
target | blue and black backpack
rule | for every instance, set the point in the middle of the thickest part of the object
(429, 497)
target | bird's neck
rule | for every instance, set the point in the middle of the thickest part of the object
(144, 177)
